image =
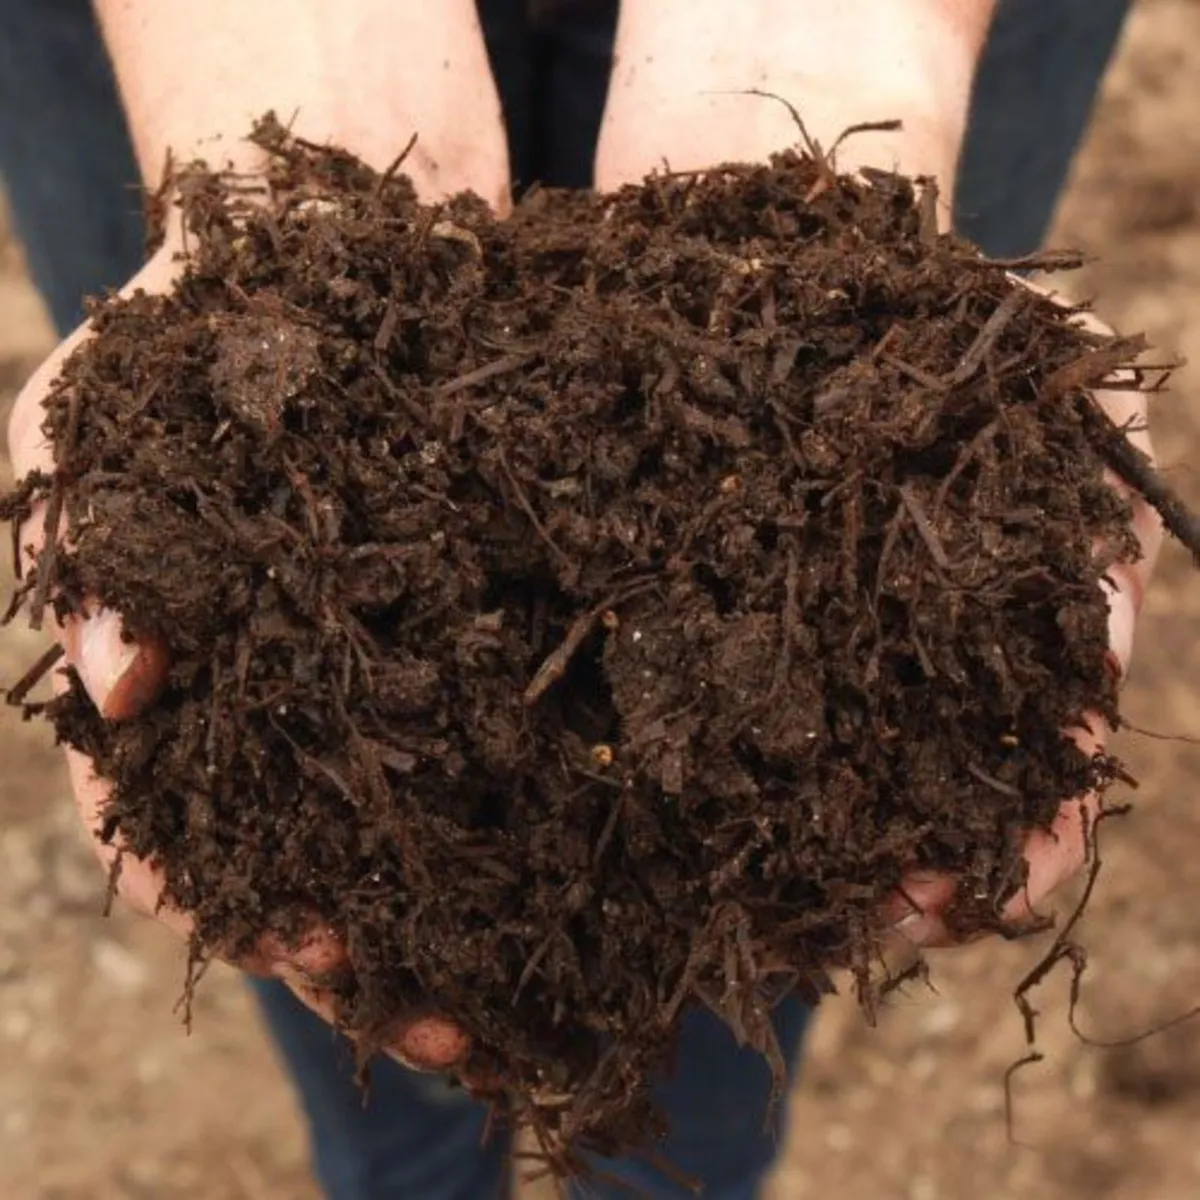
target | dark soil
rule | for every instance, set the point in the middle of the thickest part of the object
(593, 613)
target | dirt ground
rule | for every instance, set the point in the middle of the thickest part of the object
(103, 1096)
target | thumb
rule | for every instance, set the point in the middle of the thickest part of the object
(121, 676)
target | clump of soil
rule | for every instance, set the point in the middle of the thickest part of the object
(592, 613)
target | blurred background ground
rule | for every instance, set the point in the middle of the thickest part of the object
(103, 1096)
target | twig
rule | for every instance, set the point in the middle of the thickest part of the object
(1061, 948)
(1028, 1060)
(392, 168)
(790, 618)
(112, 884)
(16, 508)
(405, 401)
(993, 327)
(971, 449)
(864, 127)
(924, 527)
(1042, 260)
(554, 667)
(17, 693)
(997, 785)
(1092, 368)
(1186, 739)
(810, 143)
(927, 208)
(523, 503)
(1135, 467)
(500, 366)
(49, 556)
(916, 374)
(1062, 944)
(535, 961)
(606, 834)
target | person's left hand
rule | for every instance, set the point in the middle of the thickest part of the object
(1055, 855)
(674, 100)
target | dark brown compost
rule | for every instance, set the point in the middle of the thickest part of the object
(589, 614)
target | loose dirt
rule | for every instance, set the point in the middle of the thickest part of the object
(673, 570)
(94, 1053)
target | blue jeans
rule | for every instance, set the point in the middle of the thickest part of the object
(66, 161)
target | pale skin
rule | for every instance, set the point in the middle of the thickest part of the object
(366, 74)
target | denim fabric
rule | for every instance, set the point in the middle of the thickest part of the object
(65, 156)
(418, 1139)
(1032, 100)
(67, 164)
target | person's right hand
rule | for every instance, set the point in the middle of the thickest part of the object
(123, 678)
(194, 75)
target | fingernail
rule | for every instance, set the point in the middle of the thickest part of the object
(916, 928)
(121, 677)
(433, 1043)
(104, 657)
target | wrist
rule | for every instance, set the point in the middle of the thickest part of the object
(195, 75)
(839, 64)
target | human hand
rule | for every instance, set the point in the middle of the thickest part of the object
(1055, 855)
(693, 78)
(124, 678)
(679, 98)
(366, 77)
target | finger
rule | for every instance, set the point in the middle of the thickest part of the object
(1057, 854)
(122, 677)
(425, 1043)
(431, 1044)
(1125, 583)
(28, 447)
(315, 958)
(1126, 586)
(915, 911)
(1120, 590)
(318, 956)
(137, 883)
(1052, 857)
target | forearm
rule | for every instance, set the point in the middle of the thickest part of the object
(195, 74)
(681, 63)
